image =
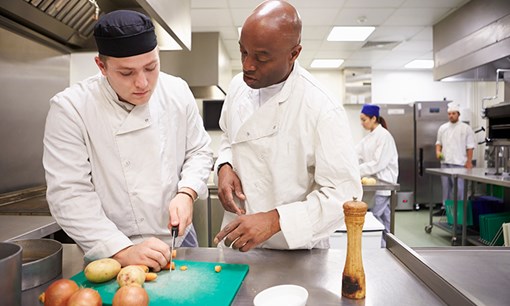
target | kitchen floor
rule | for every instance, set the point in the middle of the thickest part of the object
(410, 228)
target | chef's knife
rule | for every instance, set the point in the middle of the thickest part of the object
(174, 231)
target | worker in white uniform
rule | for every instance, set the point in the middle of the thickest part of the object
(286, 163)
(378, 156)
(125, 152)
(454, 148)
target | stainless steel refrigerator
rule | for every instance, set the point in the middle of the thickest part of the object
(414, 127)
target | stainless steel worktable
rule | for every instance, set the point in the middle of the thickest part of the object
(397, 275)
(393, 188)
(454, 174)
(481, 272)
(482, 175)
(15, 227)
(388, 282)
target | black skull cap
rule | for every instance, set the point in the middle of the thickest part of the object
(124, 33)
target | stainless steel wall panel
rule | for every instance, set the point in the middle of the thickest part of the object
(30, 74)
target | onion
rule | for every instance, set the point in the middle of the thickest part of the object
(59, 292)
(131, 296)
(85, 297)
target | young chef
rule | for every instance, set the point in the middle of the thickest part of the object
(377, 154)
(125, 151)
(286, 163)
(454, 148)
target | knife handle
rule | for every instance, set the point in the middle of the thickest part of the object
(175, 230)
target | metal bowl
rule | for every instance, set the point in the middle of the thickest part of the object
(41, 261)
(10, 266)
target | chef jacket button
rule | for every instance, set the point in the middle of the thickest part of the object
(247, 133)
(146, 120)
(127, 163)
(274, 127)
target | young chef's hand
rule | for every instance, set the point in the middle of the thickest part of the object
(228, 186)
(152, 252)
(181, 210)
(248, 231)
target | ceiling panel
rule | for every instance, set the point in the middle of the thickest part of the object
(408, 23)
(416, 16)
(363, 16)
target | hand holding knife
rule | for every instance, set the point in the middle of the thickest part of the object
(174, 232)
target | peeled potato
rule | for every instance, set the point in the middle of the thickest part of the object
(371, 181)
(102, 270)
(368, 181)
(132, 275)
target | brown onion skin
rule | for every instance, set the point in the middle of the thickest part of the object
(85, 297)
(131, 296)
(59, 292)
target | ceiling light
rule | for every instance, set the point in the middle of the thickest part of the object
(326, 63)
(420, 64)
(350, 33)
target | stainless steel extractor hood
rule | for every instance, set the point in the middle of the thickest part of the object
(67, 25)
(206, 68)
(61, 24)
(473, 42)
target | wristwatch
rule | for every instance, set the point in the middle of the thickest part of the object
(223, 164)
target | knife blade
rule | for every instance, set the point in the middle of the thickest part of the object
(174, 232)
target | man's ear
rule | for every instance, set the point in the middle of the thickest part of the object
(295, 52)
(101, 65)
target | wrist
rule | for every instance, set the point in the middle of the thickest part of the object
(275, 217)
(223, 164)
(190, 194)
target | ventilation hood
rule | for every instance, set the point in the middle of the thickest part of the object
(67, 25)
(206, 67)
(473, 42)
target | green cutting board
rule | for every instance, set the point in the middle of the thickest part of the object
(198, 285)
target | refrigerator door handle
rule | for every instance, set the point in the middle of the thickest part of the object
(420, 162)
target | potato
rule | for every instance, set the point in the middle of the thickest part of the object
(368, 181)
(371, 181)
(131, 276)
(102, 270)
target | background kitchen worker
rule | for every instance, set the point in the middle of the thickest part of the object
(125, 151)
(286, 163)
(377, 154)
(454, 148)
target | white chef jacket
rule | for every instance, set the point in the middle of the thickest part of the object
(377, 154)
(111, 172)
(294, 153)
(455, 139)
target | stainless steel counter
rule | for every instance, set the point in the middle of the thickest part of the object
(14, 227)
(482, 175)
(480, 272)
(388, 282)
(393, 188)
(397, 275)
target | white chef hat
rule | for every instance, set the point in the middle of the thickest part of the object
(453, 107)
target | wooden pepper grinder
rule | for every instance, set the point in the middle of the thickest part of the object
(353, 278)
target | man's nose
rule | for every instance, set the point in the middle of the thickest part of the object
(141, 80)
